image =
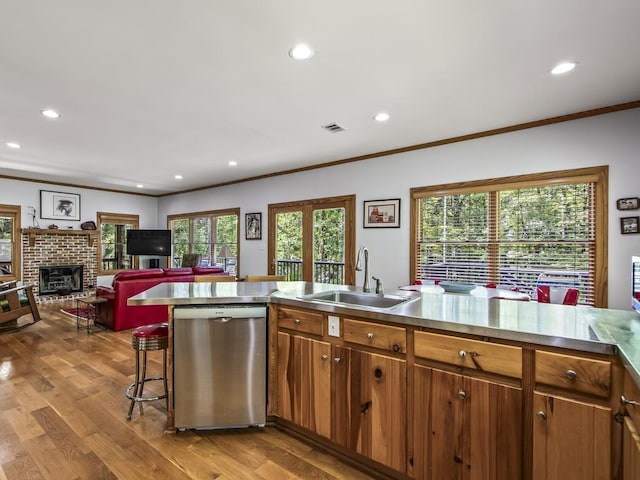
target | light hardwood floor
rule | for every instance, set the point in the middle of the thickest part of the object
(63, 409)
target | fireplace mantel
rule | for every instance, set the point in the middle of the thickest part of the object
(32, 232)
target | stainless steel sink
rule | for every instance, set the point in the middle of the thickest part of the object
(372, 300)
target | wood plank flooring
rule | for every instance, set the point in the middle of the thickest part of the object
(63, 409)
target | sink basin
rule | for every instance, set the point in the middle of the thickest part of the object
(373, 300)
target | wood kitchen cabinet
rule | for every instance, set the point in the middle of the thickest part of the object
(370, 405)
(571, 439)
(304, 382)
(630, 399)
(466, 427)
(571, 435)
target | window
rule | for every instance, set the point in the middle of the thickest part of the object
(112, 249)
(9, 243)
(515, 231)
(312, 240)
(207, 234)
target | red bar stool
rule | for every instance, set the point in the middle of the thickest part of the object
(144, 339)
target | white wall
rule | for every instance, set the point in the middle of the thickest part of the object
(612, 139)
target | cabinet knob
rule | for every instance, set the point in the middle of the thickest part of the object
(324, 356)
(625, 401)
(571, 374)
(296, 320)
(541, 415)
(370, 336)
(462, 394)
(337, 359)
(462, 354)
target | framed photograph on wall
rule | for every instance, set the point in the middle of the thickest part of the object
(629, 225)
(59, 205)
(627, 203)
(253, 226)
(382, 213)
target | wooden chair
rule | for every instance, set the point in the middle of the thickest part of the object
(15, 302)
(214, 278)
(265, 278)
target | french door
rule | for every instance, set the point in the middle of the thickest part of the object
(313, 240)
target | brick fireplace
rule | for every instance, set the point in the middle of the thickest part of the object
(47, 248)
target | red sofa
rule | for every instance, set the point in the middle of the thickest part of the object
(120, 316)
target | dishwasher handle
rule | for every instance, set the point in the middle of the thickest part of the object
(220, 319)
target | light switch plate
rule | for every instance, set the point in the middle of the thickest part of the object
(334, 326)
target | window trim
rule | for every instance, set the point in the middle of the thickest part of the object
(597, 175)
(14, 211)
(206, 213)
(115, 218)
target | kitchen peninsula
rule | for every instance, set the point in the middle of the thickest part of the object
(446, 383)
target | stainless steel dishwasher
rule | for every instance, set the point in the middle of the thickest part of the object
(219, 366)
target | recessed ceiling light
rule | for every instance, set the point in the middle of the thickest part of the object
(301, 51)
(381, 117)
(178, 177)
(563, 67)
(50, 113)
(140, 185)
(13, 145)
(233, 163)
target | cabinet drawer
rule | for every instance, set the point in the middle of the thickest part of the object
(579, 374)
(301, 321)
(385, 337)
(474, 354)
(631, 392)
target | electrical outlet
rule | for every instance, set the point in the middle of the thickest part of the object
(334, 326)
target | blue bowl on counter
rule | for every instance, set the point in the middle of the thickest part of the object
(457, 287)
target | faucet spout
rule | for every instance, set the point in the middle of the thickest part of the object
(364, 250)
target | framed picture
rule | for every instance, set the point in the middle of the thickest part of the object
(382, 213)
(59, 205)
(253, 226)
(629, 225)
(628, 203)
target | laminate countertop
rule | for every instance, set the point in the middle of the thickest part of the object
(596, 330)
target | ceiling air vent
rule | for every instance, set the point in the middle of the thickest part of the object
(333, 128)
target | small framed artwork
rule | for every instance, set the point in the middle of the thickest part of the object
(253, 226)
(59, 205)
(382, 213)
(629, 225)
(628, 203)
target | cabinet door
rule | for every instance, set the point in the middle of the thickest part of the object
(630, 451)
(304, 382)
(370, 405)
(571, 439)
(475, 428)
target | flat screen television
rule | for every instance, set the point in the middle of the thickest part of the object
(635, 283)
(149, 242)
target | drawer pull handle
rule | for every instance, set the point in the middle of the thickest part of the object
(462, 394)
(324, 356)
(541, 415)
(462, 354)
(296, 320)
(370, 336)
(625, 401)
(571, 374)
(337, 359)
(396, 347)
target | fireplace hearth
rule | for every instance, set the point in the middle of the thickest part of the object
(60, 279)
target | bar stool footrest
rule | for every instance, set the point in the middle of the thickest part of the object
(130, 396)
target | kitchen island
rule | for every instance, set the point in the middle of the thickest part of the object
(443, 381)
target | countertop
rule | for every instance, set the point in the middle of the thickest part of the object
(581, 328)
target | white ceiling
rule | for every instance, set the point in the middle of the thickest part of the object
(152, 88)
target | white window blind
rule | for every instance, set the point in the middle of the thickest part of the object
(516, 237)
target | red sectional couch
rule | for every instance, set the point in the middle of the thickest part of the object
(120, 316)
